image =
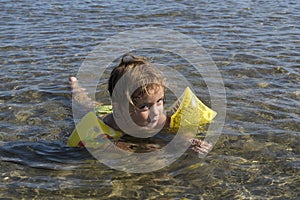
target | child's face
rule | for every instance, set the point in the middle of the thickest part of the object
(149, 110)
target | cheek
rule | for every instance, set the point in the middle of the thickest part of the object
(140, 118)
(161, 108)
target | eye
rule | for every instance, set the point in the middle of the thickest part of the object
(160, 101)
(144, 107)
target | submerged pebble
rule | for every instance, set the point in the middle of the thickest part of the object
(34, 121)
(23, 115)
(297, 93)
(263, 84)
(280, 69)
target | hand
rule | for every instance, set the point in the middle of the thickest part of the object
(200, 147)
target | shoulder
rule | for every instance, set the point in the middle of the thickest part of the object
(109, 121)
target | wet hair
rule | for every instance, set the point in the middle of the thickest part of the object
(137, 76)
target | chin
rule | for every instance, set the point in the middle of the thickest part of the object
(156, 125)
(150, 126)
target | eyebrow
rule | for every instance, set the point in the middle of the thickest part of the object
(142, 103)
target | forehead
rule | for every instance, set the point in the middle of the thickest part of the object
(152, 95)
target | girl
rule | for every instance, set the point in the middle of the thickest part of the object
(137, 91)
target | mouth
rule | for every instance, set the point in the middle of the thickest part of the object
(154, 123)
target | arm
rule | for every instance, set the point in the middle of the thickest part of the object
(80, 95)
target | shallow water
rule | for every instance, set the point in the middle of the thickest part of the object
(255, 45)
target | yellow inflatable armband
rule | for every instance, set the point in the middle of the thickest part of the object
(91, 132)
(103, 110)
(188, 110)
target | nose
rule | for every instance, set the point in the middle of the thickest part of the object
(154, 112)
